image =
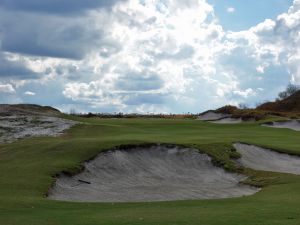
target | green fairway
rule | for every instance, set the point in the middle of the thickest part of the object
(27, 168)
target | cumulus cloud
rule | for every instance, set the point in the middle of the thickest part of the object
(274, 42)
(134, 82)
(7, 88)
(29, 93)
(231, 9)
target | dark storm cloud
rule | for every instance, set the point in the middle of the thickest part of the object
(61, 7)
(70, 42)
(48, 36)
(43, 28)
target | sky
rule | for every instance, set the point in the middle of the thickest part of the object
(147, 56)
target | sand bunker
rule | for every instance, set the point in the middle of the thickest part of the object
(210, 116)
(258, 158)
(291, 124)
(157, 173)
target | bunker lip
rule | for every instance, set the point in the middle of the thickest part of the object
(289, 124)
(259, 158)
(147, 174)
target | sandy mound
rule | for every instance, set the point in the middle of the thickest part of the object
(291, 124)
(156, 173)
(210, 116)
(17, 127)
(29, 120)
(263, 159)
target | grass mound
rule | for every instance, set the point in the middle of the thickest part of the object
(27, 109)
(290, 104)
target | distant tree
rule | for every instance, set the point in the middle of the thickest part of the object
(72, 111)
(290, 90)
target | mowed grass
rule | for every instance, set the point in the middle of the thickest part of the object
(27, 168)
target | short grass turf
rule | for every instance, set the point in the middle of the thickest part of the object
(27, 168)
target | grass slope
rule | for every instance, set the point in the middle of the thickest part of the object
(27, 167)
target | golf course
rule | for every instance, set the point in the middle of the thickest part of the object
(149, 112)
(29, 168)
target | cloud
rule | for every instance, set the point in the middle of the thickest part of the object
(15, 69)
(188, 59)
(144, 98)
(49, 36)
(142, 81)
(29, 93)
(275, 42)
(231, 9)
(148, 55)
(7, 88)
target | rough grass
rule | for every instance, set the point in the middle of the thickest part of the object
(259, 113)
(27, 168)
(289, 104)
